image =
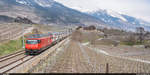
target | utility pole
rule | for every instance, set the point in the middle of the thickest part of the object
(23, 36)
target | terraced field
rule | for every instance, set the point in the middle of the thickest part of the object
(10, 31)
(75, 57)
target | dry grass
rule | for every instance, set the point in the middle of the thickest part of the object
(85, 36)
(106, 42)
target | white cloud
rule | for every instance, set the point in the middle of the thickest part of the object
(136, 8)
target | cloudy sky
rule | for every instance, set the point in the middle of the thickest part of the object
(136, 8)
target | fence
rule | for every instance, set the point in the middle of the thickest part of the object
(122, 67)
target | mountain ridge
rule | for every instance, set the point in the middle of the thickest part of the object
(50, 12)
(53, 13)
(118, 20)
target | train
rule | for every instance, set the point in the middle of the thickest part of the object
(37, 43)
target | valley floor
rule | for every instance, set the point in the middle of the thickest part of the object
(78, 58)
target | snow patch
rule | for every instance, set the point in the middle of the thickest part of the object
(99, 51)
(44, 3)
(104, 52)
(100, 39)
(22, 2)
(85, 43)
(115, 14)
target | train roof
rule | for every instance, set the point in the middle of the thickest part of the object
(54, 33)
(38, 35)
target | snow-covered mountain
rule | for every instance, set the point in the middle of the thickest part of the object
(120, 21)
(46, 12)
(50, 11)
(43, 3)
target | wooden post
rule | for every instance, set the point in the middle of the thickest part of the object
(107, 68)
(99, 69)
(0, 37)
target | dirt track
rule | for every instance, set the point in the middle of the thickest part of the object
(77, 58)
(72, 61)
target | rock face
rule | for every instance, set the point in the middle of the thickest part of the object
(23, 20)
(46, 12)
(6, 19)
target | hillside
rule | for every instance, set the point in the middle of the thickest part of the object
(45, 12)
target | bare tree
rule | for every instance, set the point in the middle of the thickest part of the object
(105, 36)
(131, 39)
(79, 27)
(92, 37)
(36, 31)
(141, 33)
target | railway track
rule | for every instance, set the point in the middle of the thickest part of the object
(6, 68)
(4, 58)
(13, 60)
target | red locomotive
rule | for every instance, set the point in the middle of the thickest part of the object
(37, 43)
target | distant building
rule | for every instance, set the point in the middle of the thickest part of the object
(90, 28)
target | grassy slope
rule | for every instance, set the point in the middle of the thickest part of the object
(11, 46)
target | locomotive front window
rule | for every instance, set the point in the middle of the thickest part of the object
(32, 41)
